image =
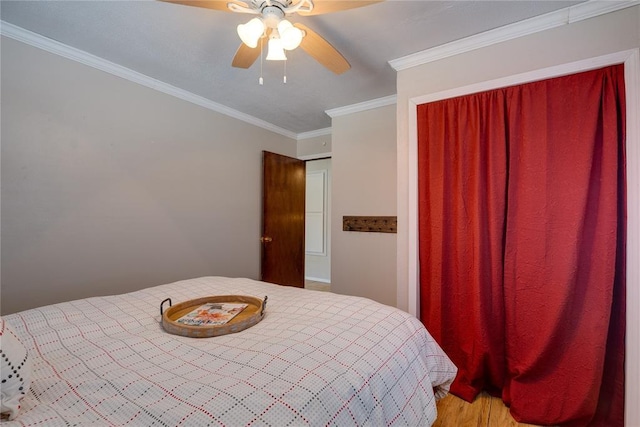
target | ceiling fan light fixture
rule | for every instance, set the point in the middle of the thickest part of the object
(276, 51)
(291, 36)
(251, 32)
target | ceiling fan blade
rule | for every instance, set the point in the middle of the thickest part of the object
(245, 56)
(322, 51)
(207, 4)
(327, 6)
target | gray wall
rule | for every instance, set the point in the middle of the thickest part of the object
(364, 183)
(314, 147)
(109, 187)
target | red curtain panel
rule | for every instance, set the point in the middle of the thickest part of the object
(522, 232)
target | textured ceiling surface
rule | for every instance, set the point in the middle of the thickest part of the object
(191, 48)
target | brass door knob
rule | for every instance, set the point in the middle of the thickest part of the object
(265, 239)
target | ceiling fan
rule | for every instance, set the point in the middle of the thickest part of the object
(270, 23)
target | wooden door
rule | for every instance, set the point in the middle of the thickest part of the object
(283, 207)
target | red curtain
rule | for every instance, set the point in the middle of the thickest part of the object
(522, 232)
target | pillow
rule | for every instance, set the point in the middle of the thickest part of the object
(15, 370)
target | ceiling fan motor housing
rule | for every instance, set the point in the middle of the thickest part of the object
(272, 15)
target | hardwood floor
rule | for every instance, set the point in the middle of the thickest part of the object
(317, 286)
(485, 411)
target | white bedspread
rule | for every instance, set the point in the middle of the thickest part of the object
(315, 359)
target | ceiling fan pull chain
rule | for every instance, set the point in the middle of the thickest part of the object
(260, 80)
(285, 72)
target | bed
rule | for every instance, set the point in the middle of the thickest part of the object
(316, 359)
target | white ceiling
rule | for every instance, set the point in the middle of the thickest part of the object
(191, 48)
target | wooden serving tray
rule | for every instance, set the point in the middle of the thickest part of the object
(252, 314)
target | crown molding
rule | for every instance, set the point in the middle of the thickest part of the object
(593, 8)
(579, 12)
(57, 48)
(314, 133)
(362, 106)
